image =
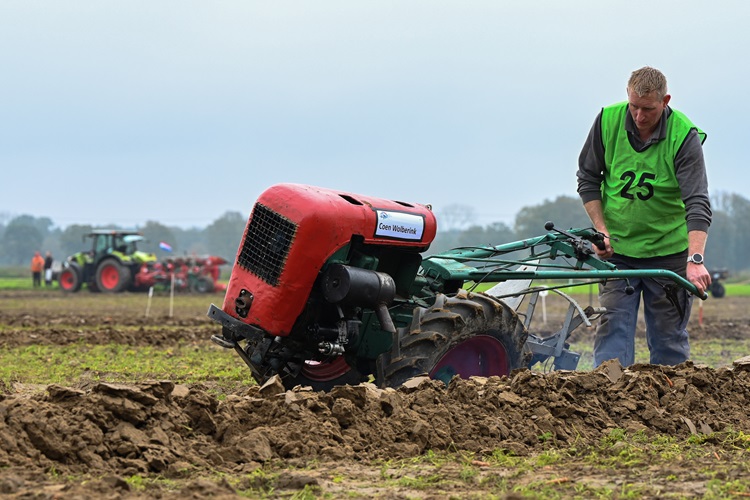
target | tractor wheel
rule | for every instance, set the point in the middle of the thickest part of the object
(469, 334)
(70, 278)
(324, 375)
(203, 284)
(111, 276)
(717, 290)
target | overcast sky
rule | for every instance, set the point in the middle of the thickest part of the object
(179, 111)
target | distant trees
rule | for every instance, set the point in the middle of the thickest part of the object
(224, 234)
(19, 243)
(493, 234)
(23, 236)
(728, 242)
(154, 233)
(71, 239)
(729, 236)
(455, 217)
(191, 241)
(564, 211)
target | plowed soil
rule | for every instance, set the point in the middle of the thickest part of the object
(190, 441)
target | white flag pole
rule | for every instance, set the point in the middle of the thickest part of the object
(148, 304)
(171, 296)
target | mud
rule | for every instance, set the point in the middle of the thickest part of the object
(65, 442)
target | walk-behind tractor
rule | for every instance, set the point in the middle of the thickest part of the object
(331, 288)
(110, 264)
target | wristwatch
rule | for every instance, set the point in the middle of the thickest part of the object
(696, 258)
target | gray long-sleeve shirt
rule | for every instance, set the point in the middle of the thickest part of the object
(690, 168)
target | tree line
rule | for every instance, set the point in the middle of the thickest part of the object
(23, 235)
(728, 244)
(727, 248)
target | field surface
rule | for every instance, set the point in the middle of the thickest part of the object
(120, 397)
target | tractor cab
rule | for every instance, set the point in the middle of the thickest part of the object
(105, 242)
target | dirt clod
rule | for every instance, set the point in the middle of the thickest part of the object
(191, 436)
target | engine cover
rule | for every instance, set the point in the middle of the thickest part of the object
(294, 230)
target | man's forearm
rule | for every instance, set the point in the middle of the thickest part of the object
(697, 242)
(596, 214)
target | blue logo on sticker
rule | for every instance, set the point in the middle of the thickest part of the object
(383, 215)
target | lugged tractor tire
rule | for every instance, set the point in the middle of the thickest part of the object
(469, 334)
(69, 278)
(111, 276)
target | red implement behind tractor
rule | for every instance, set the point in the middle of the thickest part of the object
(196, 274)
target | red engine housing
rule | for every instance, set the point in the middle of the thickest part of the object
(292, 232)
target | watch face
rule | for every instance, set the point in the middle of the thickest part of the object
(696, 258)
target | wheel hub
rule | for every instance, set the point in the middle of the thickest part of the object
(482, 356)
(323, 371)
(110, 277)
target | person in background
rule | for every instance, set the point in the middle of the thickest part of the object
(642, 180)
(48, 260)
(37, 266)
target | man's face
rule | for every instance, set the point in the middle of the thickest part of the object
(646, 110)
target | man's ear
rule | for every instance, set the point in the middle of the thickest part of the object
(666, 100)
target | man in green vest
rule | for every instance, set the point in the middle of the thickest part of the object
(642, 180)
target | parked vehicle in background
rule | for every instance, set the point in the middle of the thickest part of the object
(110, 264)
(717, 288)
(114, 264)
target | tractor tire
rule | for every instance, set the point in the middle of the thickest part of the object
(469, 334)
(69, 278)
(111, 276)
(324, 375)
(717, 290)
(203, 284)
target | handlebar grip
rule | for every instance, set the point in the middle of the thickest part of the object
(694, 290)
(598, 240)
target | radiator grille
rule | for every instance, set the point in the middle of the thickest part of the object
(266, 246)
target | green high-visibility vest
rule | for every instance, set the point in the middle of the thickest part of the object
(641, 198)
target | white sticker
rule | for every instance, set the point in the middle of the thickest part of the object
(399, 225)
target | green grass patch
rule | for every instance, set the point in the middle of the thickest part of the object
(654, 462)
(657, 468)
(25, 283)
(715, 353)
(67, 365)
(737, 289)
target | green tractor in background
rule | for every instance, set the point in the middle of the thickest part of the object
(109, 266)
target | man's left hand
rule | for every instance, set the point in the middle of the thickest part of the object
(698, 275)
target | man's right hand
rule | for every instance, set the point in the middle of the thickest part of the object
(606, 252)
(595, 213)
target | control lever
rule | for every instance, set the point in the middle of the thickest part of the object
(596, 238)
